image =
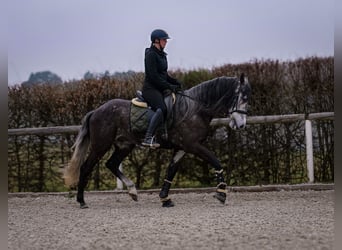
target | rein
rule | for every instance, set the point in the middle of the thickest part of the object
(181, 93)
(235, 101)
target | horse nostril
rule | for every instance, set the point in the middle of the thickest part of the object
(242, 126)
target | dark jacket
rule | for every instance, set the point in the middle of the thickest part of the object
(156, 75)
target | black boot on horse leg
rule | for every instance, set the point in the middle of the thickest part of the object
(221, 192)
(156, 120)
(164, 194)
(170, 174)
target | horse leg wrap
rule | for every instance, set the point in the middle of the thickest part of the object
(219, 176)
(221, 188)
(221, 192)
(165, 189)
(167, 202)
(164, 194)
(165, 199)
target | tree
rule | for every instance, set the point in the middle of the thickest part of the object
(42, 77)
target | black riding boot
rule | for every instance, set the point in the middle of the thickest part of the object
(156, 119)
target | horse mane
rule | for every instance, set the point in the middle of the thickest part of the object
(212, 97)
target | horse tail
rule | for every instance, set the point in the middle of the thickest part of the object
(72, 170)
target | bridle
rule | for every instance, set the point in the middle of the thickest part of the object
(236, 101)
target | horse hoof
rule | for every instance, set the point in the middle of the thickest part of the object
(83, 206)
(220, 196)
(134, 196)
(168, 203)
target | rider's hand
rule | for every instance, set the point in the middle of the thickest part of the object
(167, 92)
(174, 88)
(178, 83)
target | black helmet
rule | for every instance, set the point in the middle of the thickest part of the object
(159, 34)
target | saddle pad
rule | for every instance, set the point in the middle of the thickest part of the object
(140, 118)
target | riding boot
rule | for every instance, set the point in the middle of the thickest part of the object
(156, 119)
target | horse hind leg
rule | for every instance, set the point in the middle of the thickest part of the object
(113, 165)
(85, 172)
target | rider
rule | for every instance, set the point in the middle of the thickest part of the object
(156, 82)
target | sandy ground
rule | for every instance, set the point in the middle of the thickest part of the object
(264, 220)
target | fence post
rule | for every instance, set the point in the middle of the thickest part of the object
(309, 150)
(119, 184)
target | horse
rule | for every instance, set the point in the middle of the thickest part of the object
(109, 125)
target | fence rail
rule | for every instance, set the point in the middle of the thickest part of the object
(215, 122)
(278, 118)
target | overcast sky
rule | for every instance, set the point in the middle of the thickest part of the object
(70, 37)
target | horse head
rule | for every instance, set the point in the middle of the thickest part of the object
(238, 111)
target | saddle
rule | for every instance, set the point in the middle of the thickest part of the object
(141, 113)
(140, 101)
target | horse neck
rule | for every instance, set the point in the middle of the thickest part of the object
(215, 95)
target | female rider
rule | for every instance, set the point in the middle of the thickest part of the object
(156, 82)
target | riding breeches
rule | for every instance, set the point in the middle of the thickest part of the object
(155, 99)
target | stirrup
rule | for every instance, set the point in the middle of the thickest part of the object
(149, 142)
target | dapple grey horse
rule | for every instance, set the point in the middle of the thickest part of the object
(109, 125)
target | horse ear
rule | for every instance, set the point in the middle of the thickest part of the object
(242, 78)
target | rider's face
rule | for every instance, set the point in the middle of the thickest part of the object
(163, 43)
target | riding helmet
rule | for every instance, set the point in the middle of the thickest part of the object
(159, 34)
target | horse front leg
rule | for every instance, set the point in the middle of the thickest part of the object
(206, 155)
(170, 174)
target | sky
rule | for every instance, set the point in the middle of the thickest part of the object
(71, 37)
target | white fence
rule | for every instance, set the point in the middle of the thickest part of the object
(215, 122)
